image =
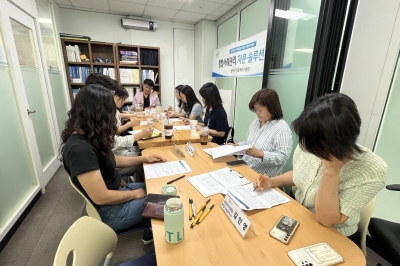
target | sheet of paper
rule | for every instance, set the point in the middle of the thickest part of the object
(214, 182)
(226, 150)
(143, 123)
(157, 170)
(175, 120)
(249, 200)
(186, 127)
(133, 132)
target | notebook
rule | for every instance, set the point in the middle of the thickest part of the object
(159, 199)
(154, 211)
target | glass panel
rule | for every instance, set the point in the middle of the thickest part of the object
(17, 176)
(387, 146)
(254, 19)
(30, 73)
(53, 62)
(227, 35)
(293, 41)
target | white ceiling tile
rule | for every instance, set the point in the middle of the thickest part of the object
(222, 10)
(125, 8)
(159, 12)
(188, 16)
(143, 2)
(211, 17)
(172, 4)
(233, 2)
(91, 4)
(217, 1)
(63, 2)
(202, 7)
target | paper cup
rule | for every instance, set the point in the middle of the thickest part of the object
(193, 127)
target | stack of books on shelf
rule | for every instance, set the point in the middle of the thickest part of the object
(78, 74)
(73, 53)
(68, 36)
(129, 76)
(128, 57)
(149, 74)
(105, 71)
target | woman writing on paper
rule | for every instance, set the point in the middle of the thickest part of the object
(181, 104)
(193, 109)
(86, 152)
(215, 117)
(269, 135)
(334, 175)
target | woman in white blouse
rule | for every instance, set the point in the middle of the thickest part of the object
(269, 135)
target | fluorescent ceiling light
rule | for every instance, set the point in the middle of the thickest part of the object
(292, 15)
(304, 50)
(45, 20)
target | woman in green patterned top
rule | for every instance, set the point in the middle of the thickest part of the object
(335, 176)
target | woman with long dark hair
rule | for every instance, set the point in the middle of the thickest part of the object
(193, 108)
(86, 152)
(181, 104)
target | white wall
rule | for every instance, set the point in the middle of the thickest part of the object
(29, 6)
(107, 28)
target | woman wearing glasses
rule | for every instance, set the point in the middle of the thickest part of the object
(269, 135)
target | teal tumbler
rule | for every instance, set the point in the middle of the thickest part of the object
(173, 220)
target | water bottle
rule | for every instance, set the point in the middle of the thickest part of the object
(173, 221)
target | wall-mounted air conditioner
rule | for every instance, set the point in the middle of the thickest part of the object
(127, 23)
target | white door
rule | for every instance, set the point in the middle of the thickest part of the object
(33, 96)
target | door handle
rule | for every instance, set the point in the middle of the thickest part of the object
(30, 112)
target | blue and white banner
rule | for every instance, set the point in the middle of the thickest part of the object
(244, 58)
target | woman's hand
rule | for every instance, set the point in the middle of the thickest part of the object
(147, 132)
(262, 182)
(134, 122)
(255, 153)
(186, 121)
(153, 158)
(170, 113)
(170, 108)
(333, 167)
(140, 193)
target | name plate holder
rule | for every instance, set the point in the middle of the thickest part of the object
(190, 149)
(237, 217)
(177, 151)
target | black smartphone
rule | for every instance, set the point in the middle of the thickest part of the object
(235, 163)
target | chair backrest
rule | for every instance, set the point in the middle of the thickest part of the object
(231, 131)
(365, 216)
(90, 208)
(90, 241)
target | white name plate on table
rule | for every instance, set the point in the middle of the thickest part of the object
(237, 217)
(190, 149)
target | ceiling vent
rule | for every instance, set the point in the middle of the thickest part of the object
(138, 24)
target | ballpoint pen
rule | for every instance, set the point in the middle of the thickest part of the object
(173, 180)
(190, 209)
(204, 204)
(259, 180)
(205, 214)
(197, 218)
(193, 209)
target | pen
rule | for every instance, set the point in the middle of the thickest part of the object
(173, 180)
(193, 209)
(197, 218)
(190, 209)
(259, 180)
(241, 202)
(205, 214)
(204, 204)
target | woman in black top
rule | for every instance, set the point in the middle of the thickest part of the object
(86, 150)
(215, 118)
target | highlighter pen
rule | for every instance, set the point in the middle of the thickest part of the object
(197, 218)
(190, 209)
(205, 214)
(204, 204)
(259, 180)
(193, 209)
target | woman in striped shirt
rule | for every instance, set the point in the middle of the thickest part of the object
(269, 135)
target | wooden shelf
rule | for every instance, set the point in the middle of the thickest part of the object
(104, 64)
(128, 65)
(77, 84)
(130, 84)
(79, 63)
(144, 66)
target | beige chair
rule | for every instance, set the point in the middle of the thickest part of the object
(90, 208)
(365, 216)
(91, 242)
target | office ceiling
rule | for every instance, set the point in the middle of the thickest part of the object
(189, 11)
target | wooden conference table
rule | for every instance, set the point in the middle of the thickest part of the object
(215, 241)
(178, 137)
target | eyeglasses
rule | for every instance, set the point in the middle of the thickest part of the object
(146, 87)
(258, 110)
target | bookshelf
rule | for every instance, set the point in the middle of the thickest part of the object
(129, 64)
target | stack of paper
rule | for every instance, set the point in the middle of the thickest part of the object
(157, 170)
(226, 150)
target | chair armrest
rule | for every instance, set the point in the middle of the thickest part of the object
(395, 187)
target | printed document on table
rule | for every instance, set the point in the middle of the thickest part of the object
(247, 200)
(226, 150)
(172, 120)
(214, 182)
(187, 127)
(143, 123)
(133, 132)
(157, 170)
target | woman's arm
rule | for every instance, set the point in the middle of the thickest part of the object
(93, 183)
(122, 162)
(265, 182)
(327, 207)
(133, 122)
(216, 133)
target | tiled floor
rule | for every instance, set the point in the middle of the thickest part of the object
(37, 239)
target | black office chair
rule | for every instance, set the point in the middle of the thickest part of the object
(230, 131)
(385, 236)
